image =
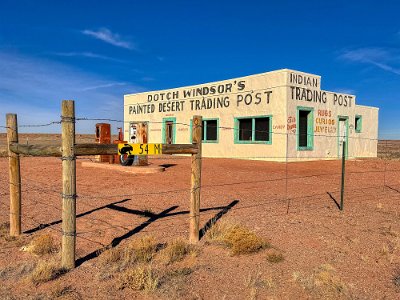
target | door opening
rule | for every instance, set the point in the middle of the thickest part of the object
(169, 132)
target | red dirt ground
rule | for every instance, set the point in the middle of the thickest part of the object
(288, 205)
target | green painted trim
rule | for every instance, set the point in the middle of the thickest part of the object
(358, 129)
(205, 131)
(310, 129)
(347, 135)
(236, 130)
(164, 140)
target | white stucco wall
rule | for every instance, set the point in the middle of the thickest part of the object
(278, 94)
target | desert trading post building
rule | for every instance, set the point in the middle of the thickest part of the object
(278, 116)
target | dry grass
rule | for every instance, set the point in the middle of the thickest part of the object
(143, 266)
(396, 278)
(254, 281)
(275, 257)
(177, 250)
(174, 283)
(139, 278)
(111, 256)
(65, 292)
(5, 233)
(17, 271)
(42, 245)
(323, 283)
(46, 270)
(239, 239)
(143, 249)
(119, 259)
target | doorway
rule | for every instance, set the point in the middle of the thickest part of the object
(343, 135)
(169, 130)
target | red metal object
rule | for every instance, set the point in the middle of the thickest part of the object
(119, 141)
(103, 136)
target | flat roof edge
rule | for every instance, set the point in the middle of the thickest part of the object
(197, 84)
(367, 106)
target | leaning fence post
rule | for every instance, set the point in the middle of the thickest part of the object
(343, 173)
(69, 184)
(15, 176)
(195, 182)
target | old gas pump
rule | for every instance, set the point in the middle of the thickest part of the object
(103, 136)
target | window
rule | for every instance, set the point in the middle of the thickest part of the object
(305, 128)
(358, 123)
(253, 130)
(210, 130)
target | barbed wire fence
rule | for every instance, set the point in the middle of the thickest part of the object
(284, 189)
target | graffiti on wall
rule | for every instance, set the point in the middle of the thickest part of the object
(291, 124)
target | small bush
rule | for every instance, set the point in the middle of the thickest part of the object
(176, 251)
(237, 238)
(253, 283)
(41, 245)
(121, 258)
(140, 279)
(46, 270)
(111, 256)
(323, 282)
(275, 257)
(142, 250)
(5, 232)
(4, 229)
(396, 278)
(65, 292)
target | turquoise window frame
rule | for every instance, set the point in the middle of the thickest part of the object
(358, 123)
(310, 128)
(204, 133)
(253, 133)
(164, 138)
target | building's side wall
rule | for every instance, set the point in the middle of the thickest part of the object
(325, 124)
(265, 95)
(365, 140)
(327, 108)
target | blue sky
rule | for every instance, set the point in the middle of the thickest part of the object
(96, 51)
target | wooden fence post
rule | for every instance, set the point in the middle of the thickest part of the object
(195, 182)
(15, 176)
(142, 139)
(69, 184)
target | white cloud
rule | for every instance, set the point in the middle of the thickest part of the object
(385, 59)
(33, 88)
(102, 86)
(109, 37)
(86, 54)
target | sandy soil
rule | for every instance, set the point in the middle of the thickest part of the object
(293, 206)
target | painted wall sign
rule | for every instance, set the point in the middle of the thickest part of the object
(318, 96)
(291, 124)
(324, 122)
(302, 79)
(201, 98)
